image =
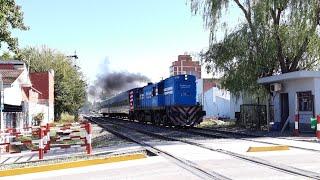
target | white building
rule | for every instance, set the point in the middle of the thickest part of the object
(25, 97)
(14, 76)
(215, 101)
(294, 93)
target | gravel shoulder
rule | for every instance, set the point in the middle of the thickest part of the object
(104, 139)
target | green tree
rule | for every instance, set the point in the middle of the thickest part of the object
(11, 17)
(6, 56)
(69, 83)
(275, 36)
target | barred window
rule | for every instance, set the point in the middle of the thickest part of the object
(305, 101)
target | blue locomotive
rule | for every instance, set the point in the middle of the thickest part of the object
(169, 102)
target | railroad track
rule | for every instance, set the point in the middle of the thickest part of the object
(191, 167)
(242, 137)
(227, 134)
(248, 135)
(279, 167)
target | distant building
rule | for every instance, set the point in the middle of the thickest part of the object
(215, 101)
(185, 65)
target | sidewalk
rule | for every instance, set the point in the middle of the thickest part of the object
(276, 134)
(61, 153)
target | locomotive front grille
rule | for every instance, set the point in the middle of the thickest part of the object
(185, 116)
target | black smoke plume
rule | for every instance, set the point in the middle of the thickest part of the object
(116, 82)
(109, 84)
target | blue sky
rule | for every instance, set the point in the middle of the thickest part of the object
(142, 36)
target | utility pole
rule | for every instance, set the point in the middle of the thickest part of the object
(1, 103)
(74, 56)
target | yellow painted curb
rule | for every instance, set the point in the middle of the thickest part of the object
(268, 148)
(74, 164)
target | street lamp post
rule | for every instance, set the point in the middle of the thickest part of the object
(73, 56)
(1, 103)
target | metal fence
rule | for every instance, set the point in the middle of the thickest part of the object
(253, 116)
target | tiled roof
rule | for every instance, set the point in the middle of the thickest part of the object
(26, 90)
(40, 81)
(9, 75)
(12, 62)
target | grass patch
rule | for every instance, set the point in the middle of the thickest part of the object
(24, 147)
(24, 138)
(32, 146)
(66, 118)
(71, 142)
(214, 123)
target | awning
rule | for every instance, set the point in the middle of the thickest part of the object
(12, 108)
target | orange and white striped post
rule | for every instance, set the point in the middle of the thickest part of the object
(41, 146)
(318, 127)
(296, 125)
(88, 128)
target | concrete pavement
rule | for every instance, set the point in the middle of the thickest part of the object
(297, 158)
(157, 167)
(150, 168)
(60, 153)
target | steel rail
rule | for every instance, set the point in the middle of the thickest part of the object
(250, 135)
(191, 167)
(280, 167)
(213, 133)
(223, 134)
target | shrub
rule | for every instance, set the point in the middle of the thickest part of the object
(66, 118)
(38, 118)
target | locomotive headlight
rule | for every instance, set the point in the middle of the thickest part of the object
(185, 77)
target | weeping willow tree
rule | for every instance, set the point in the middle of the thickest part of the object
(273, 37)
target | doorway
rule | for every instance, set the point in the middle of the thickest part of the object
(284, 105)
